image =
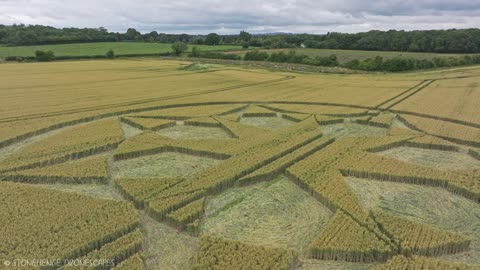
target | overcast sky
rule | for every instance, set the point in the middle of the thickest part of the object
(258, 16)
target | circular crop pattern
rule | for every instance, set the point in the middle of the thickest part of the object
(237, 185)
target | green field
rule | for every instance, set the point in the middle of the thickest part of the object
(348, 55)
(100, 48)
(140, 48)
(344, 56)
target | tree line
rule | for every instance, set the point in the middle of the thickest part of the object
(378, 63)
(20, 34)
(440, 41)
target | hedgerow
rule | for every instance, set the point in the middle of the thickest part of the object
(395, 64)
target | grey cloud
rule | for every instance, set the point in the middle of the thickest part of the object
(203, 16)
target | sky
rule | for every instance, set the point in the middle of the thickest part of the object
(255, 16)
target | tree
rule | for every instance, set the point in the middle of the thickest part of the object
(152, 36)
(110, 54)
(399, 63)
(179, 48)
(184, 38)
(255, 56)
(212, 39)
(245, 36)
(133, 34)
(44, 56)
(195, 51)
(354, 64)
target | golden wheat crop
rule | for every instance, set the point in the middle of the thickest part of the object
(345, 239)
(147, 123)
(93, 169)
(216, 253)
(455, 98)
(421, 263)
(83, 223)
(420, 239)
(257, 111)
(451, 131)
(78, 115)
(72, 143)
(133, 263)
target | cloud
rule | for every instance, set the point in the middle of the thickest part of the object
(204, 16)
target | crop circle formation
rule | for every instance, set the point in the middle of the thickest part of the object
(247, 184)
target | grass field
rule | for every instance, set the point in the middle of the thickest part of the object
(100, 48)
(156, 163)
(344, 56)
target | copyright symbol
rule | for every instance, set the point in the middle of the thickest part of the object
(7, 263)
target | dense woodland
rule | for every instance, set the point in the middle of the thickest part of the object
(441, 41)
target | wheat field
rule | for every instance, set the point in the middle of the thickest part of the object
(152, 165)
